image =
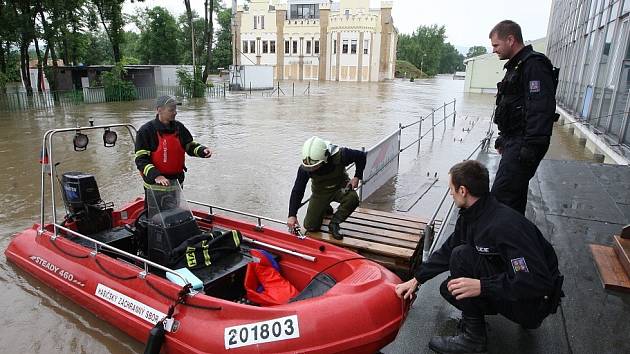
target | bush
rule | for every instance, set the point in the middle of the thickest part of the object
(193, 86)
(117, 89)
(406, 69)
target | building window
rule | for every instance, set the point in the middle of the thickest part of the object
(335, 45)
(308, 47)
(294, 47)
(353, 46)
(244, 49)
(252, 47)
(286, 47)
(265, 47)
(316, 47)
(366, 45)
(304, 11)
(272, 47)
(344, 46)
(262, 22)
(255, 22)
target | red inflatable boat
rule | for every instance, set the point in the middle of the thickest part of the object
(117, 264)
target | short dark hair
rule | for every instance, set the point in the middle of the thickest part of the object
(506, 28)
(471, 174)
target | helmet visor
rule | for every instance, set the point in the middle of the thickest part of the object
(310, 165)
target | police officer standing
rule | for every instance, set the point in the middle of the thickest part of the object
(524, 113)
(325, 165)
(498, 260)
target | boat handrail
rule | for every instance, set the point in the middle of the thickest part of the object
(47, 149)
(97, 243)
(259, 226)
(258, 218)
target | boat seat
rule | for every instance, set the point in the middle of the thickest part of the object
(316, 287)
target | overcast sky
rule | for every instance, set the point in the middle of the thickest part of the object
(467, 22)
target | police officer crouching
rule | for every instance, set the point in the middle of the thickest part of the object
(325, 165)
(499, 261)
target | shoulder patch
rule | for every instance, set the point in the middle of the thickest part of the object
(534, 86)
(519, 265)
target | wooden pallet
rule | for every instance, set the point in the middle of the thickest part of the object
(387, 238)
(611, 269)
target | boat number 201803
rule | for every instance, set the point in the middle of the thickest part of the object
(262, 332)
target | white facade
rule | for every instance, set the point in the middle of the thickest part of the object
(318, 40)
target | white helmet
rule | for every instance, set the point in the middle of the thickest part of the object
(315, 153)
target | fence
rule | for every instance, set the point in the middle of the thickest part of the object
(22, 101)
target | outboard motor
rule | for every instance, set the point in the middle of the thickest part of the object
(84, 204)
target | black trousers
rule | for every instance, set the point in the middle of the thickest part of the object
(466, 262)
(511, 182)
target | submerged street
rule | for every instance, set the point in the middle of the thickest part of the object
(256, 141)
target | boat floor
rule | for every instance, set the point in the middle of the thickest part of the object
(574, 203)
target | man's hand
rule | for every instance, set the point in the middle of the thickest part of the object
(405, 290)
(161, 180)
(354, 182)
(462, 288)
(292, 221)
(207, 153)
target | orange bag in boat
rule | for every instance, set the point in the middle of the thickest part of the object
(264, 284)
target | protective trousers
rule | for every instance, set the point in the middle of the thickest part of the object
(465, 262)
(317, 205)
(511, 182)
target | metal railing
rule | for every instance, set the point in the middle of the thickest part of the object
(431, 115)
(100, 245)
(259, 227)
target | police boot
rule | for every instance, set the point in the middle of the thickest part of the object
(335, 229)
(472, 338)
(329, 210)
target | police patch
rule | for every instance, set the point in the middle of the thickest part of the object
(519, 265)
(534, 86)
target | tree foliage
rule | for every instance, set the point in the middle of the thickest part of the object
(475, 51)
(158, 38)
(451, 60)
(90, 32)
(423, 48)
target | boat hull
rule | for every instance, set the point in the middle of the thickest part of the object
(360, 314)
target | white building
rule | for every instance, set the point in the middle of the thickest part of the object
(318, 39)
(484, 71)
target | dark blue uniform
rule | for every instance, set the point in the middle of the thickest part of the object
(524, 114)
(516, 265)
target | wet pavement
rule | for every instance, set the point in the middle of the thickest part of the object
(256, 142)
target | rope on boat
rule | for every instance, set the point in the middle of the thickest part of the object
(98, 263)
(213, 308)
(66, 252)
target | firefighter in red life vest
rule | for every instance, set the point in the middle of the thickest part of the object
(161, 144)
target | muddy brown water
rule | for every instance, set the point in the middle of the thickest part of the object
(256, 142)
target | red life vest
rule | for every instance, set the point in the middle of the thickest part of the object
(169, 156)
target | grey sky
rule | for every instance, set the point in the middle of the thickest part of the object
(467, 22)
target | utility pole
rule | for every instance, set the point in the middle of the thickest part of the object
(233, 24)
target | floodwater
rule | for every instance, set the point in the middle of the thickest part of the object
(256, 141)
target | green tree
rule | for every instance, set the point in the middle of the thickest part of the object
(110, 14)
(451, 60)
(158, 38)
(222, 53)
(116, 88)
(475, 51)
(423, 48)
(192, 84)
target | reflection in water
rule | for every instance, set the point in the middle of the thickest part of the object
(256, 143)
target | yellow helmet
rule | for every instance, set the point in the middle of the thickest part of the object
(315, 153)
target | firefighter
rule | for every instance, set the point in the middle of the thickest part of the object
(161, 145)
(325, 165)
